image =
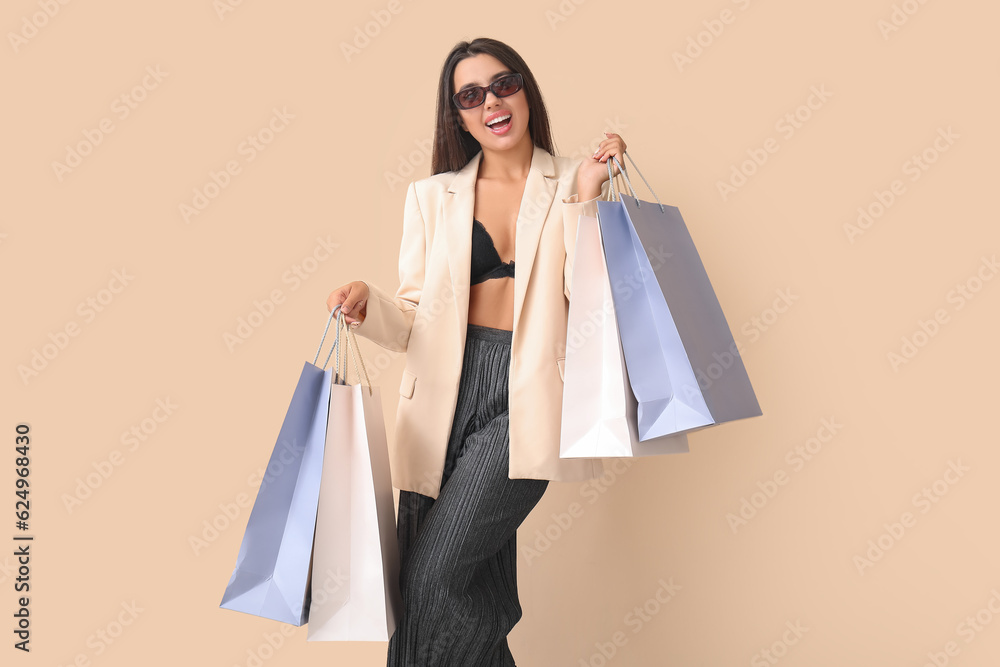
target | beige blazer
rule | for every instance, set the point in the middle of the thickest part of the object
(428, 315)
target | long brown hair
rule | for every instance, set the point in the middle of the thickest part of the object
(454, 147)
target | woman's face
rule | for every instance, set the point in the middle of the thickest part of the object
(481, 70)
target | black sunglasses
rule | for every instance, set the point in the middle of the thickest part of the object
(472, 97)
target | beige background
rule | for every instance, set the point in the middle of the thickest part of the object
(337, 171)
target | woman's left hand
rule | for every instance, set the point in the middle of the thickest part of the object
(593, 171)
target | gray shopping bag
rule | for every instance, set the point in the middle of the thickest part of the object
(683, 363)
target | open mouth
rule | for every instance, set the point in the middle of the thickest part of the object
(502, 126)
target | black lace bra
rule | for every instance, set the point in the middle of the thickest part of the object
(486, 261)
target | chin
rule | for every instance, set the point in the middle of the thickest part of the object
(508, 140)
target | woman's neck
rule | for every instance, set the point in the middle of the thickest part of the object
(507, 165)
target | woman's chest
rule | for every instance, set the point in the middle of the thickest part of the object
(497, 206)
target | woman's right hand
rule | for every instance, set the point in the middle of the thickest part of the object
(353, 301)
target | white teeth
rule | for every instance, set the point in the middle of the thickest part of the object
(498, 119)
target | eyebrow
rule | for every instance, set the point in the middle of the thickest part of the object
(495, 77)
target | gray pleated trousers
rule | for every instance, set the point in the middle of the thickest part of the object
(458, 574)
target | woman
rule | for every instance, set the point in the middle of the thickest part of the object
(471, 465)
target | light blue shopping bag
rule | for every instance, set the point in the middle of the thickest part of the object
(272, 574)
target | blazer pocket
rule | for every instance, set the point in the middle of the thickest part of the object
(406, 385)
(561, 363)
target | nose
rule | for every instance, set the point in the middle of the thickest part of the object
(486, 100)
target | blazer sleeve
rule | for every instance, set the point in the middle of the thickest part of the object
(573, 208)
(389, 318)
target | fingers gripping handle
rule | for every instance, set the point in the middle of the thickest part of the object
(352, 341)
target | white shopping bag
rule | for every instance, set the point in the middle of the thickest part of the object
(355, 566)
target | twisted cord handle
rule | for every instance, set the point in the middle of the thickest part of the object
(352, 343)
(621, 168)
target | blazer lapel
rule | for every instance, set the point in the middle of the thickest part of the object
(458, 210)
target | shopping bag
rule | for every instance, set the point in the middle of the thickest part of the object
(271, 577)
(683, 363)
(355, 576)
(598, 407)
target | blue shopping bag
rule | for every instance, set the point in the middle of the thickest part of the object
(272, 574)
(683, 364)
